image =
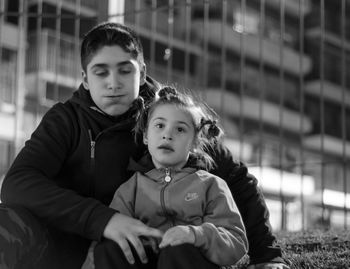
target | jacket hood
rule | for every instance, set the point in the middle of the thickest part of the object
(82, 97)
(145, 164)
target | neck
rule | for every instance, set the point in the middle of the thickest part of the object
(173, 167)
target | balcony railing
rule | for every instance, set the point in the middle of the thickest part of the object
(250, 108)
(55, 54)
(83, 3)
(291, 61)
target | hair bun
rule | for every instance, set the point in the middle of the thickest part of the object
(213, 130)
(167, 93)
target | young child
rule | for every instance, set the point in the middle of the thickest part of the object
(171, 192)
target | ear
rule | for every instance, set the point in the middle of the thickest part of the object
(194, 145)
(145, 140)
(143, 74)
(85, 82)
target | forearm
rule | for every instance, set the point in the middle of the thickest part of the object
(219, 245)
(56, 206)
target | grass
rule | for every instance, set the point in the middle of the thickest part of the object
(313, 249)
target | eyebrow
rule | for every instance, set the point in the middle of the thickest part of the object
(179, 122)
(120, 64)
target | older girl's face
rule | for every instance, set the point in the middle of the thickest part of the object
(170, 136)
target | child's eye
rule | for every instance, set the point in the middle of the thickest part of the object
(159, 125)
(181, 130)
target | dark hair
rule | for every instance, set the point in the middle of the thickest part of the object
(204, 119)
(110, 34)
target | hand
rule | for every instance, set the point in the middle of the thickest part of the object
(177, 235)
(268, 266)
(125, 230)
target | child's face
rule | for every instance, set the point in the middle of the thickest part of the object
(113, 78)
(170, 136)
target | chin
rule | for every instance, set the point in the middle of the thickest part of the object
(118, 112)
(165, 165)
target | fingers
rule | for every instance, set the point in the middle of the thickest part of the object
(140, 250)
(150, 232)
(172, 242)
(125, 231)
(150, 242)
(176, 236)
(170, 237)
(124, 245)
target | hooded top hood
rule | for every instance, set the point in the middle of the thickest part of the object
(83, 98)
(145, 164)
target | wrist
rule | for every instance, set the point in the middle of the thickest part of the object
(192, 235)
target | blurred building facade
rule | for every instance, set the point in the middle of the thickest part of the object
(12, 49)
(274, 70)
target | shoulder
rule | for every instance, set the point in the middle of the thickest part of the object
(64, 111)
(213, 185)
(209, 178)
(221, 153)
(129, 185)
(226, 166)
(62, 115)
(60, 123)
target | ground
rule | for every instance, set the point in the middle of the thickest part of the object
(321, 249)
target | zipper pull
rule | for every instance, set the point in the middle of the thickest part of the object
(92, 149)
(92, 145)
(167, 175)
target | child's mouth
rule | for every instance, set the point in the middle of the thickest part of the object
(165, 147)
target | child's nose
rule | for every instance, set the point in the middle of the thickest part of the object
(167, 135)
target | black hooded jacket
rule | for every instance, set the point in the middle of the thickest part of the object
(69, 169)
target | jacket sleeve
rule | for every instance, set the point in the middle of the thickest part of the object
(221, 237)
(30, 180)
(251, 204)
(124, 197)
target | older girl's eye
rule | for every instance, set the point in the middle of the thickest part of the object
(180, 129)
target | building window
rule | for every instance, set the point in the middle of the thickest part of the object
(5, 156)
(48, 20)
(8, 75)
(57, 93)
(11, 11)
(178, 55)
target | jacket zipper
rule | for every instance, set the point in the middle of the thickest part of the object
(167, 180)
(92, 148)
(92, 161)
